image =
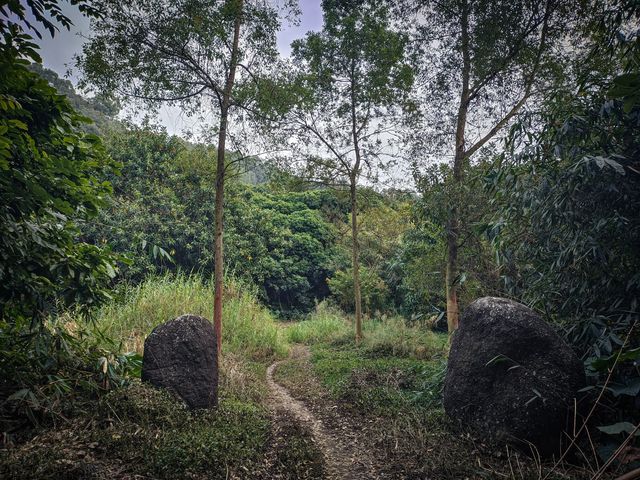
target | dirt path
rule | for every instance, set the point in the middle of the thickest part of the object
(342, 459)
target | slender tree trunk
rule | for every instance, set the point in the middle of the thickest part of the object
(355, 260)
(219, 230)
(450, 278)
(353, 178)
(454, 221)
(220, 177)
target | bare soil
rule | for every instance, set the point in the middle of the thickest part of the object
(344, 456)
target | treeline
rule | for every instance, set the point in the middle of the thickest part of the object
(288, 239)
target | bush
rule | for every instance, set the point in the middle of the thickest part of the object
(51, 181)
(373, 290)
(53, 367)
(392, 336)
(384, 336)
(324, 325)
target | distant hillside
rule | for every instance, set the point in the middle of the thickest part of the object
(99, 108)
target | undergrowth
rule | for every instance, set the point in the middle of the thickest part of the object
(247, 327)
(140, 430)
(383, 336)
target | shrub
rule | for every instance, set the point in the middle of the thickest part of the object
(50, 368)
(384, 336)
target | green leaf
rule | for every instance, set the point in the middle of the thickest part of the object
(631, 388)
(618, 428)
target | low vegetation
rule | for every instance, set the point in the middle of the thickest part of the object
(250, 329)
(139, 430)
(390, 335)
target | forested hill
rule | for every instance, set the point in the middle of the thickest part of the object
(254, 302)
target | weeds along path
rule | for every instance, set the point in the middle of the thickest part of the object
(342, 458)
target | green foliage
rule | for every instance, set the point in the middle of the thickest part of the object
(416, 271)
(51, 181)
(145, 431)
(572, 196)
(161, 215)
(252, 330)
(378, 385)
(211, 442)
(47, 369)
(179, 51)
(356, 43)
(282, 245)
(101, 109)
(145, 212)
(385, 336)
(567, 231)
(373, 290)
(47, 14)
(394, 337)
(351, 81)
(324, 325)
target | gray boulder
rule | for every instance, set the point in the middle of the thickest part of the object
(180, 355)
(510, 376)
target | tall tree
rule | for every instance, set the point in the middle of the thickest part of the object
(354, 76)
(199, 54)
(491, 57)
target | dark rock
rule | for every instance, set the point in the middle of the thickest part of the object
(180, 355)
(510, 376)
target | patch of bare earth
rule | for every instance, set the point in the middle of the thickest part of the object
(345, 455)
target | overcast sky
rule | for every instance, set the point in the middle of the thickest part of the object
(57, 53)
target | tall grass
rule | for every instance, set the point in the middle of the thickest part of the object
(324, 325)
(393, 336)
(247, 328)
(385, 336)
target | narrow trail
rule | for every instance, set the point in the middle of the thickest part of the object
(342, 460)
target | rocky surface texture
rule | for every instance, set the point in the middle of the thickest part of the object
(180, 355)
(510, 376)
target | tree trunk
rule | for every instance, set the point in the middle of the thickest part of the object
(453, 313)
(355, 260)
(220, 177)
(454, 222)
(353, 179)
(219, 230)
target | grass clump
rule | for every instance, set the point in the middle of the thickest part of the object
(247, 327)
(324, 325)
(393, 336)
(380, 385)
